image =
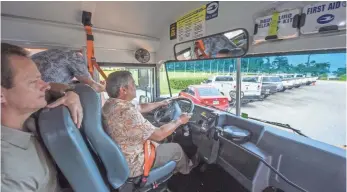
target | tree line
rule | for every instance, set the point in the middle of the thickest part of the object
(279, 64)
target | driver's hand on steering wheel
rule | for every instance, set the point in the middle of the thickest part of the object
(184, 118)
(166, 102)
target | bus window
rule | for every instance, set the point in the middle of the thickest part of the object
(306, 94)
(310, 93)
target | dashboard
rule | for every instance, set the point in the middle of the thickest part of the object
(218, 142)
(245, 149)
(242, 147)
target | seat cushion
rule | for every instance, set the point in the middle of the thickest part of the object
(161, 172)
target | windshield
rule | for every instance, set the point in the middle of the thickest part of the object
(208, 91)
(310, 96)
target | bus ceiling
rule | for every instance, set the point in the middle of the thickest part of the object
(121, 28)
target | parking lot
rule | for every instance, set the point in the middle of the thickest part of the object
(319, 111)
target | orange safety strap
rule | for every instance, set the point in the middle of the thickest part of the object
(90, 53)
(199, 45)
(149, 150)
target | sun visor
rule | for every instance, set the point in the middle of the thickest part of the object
(323, 17)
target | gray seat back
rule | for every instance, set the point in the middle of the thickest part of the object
(112, 158)
(69, 150)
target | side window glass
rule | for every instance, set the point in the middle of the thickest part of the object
(230, 79)
(219, 79)
(265, 79)
(191, 92)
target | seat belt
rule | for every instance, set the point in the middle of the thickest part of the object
(149, 153)
(86, 20)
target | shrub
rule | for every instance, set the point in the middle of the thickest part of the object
(180, 83)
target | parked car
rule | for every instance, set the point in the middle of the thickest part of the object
(301, 79)
(223, 83)
(206, 95)
(312, 79)
(288, 83)
(278, 82)
(267, 86)
(296, 81)
(250, 91)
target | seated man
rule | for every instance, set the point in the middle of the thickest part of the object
(128, 128)
(223, 53)
(62, 66)
(215, 43)
(25, 165)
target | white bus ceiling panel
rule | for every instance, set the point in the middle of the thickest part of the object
(142, 18)
(48, 10)
(119, 56)
(45, 33)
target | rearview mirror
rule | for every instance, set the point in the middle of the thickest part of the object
(230, 44)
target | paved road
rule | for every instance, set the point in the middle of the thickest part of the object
(318, 111)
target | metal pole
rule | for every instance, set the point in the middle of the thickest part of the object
(185, 68)
(194, 69)
(238, 87)
(174, 69)
(224, 67)
(210, 67)
(247, 65)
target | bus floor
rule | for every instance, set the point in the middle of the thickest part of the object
(212, 179)
(204, 178)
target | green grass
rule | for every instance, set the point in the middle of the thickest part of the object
(164, 89)
(340, 78)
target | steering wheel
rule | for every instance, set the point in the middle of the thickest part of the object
(163, 115)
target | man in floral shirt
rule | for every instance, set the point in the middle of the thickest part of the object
(125, 124)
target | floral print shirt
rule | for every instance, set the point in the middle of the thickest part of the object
(129, 129)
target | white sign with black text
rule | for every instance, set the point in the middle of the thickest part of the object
(285, 28)
(328, 15)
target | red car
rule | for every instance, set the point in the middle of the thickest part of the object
(206, 95)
